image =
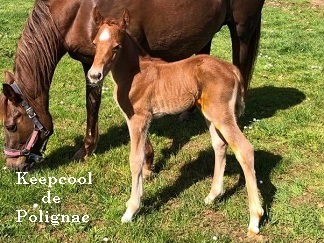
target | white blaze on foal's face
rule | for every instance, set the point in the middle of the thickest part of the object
(104, 36)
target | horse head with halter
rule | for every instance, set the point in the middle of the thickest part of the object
(25, 135)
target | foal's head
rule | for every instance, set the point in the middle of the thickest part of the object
(108, 42)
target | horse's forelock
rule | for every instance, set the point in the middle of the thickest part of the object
(110, 21)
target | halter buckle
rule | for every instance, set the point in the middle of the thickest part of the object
(25, 152)
(30, 112)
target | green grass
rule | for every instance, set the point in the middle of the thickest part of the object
(286, 99)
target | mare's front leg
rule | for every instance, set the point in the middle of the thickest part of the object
(138, 126)
(93, 100)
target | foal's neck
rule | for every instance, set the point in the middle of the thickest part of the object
(130, 60)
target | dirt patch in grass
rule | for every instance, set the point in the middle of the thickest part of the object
(61, 236)
(277, 4)
(317, 3)
(75, 208)
(309, 197)
(218, 222)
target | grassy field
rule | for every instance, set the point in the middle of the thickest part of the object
(283, 120)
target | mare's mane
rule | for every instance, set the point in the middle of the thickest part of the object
(38, 52)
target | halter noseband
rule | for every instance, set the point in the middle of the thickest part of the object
(38, 127)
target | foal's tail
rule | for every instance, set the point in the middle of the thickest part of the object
(239, 104)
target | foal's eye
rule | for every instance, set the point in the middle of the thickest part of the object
(117, 47)
(12, 128)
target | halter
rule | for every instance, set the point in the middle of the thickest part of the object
(38, 127)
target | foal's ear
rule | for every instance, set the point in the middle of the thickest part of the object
(97, 16)
(125, 20)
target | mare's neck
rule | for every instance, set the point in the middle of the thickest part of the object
(38, 52)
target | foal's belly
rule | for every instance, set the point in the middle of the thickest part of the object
(171, 108)
(173, 96)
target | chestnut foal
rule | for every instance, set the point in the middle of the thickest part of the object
(147, 87)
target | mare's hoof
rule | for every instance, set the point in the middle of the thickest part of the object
(80, 155)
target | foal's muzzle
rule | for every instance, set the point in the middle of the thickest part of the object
(94, 77)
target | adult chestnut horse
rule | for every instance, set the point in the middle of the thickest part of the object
(57, 27)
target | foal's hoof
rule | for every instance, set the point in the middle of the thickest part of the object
(127, 217)
(253, 231)
(209, 200)
(211, 197)
(130, 213)
(147, 174)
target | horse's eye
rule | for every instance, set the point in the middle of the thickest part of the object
(12, 128)
(117, 47)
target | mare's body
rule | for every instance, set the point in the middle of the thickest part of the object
(149, 87)
(169, 29)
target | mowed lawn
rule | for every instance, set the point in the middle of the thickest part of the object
(283, 120)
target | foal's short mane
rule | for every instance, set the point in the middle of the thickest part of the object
(110, 21)
(140, 49)
(38, 51)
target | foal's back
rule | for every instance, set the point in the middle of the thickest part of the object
(174, 87)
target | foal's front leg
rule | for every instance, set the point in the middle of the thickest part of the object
(137, 126)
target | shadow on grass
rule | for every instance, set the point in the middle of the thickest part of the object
(203, 167)
(59, 157)
(264, 102)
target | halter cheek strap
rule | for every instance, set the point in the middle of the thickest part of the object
(38, 127)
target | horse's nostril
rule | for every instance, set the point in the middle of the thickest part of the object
(95, 76)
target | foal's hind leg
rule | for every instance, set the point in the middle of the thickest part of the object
(244, 153)
(219, 147)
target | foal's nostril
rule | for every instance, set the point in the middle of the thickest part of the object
(95, 76)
